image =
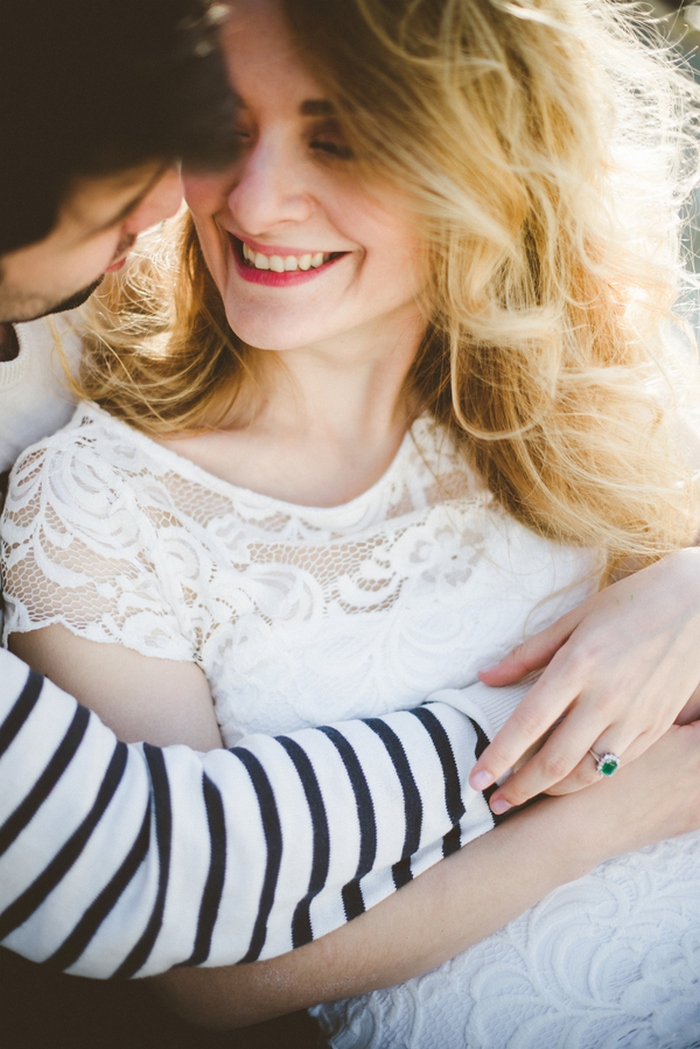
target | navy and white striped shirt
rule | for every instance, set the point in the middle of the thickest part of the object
(126, 860)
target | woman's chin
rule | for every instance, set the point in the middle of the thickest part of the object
(263, 335)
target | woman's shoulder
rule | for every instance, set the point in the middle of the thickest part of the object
(88, 425)
(85, 463)
(92, 437)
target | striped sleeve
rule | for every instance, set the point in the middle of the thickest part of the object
(121, 861)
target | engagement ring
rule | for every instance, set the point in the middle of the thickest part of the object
(606, 764)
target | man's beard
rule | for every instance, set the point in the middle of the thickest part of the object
(75, 300)
(16, 309)
(17, 306)
(126, 242)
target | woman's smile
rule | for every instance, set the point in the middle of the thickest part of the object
(279, 266)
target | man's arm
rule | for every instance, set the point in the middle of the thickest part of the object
(465, 898)
(34, 397)
(123, 860)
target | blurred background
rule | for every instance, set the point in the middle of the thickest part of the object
(681, 23)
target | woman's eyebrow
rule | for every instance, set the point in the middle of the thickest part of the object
(311, 107)
(317, 107)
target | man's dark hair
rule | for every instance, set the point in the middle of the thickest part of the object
(92, 87)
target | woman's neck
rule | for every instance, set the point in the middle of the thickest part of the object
(349, 395)
(329, 422)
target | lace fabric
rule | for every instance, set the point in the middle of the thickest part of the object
(297, 615)
(611, 961)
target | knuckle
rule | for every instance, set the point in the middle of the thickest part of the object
(604, 706)
(528, 722)
(515, 794)
(555, 767)
(578, 779)
(576, 660)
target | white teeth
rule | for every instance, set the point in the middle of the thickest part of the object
(278, 264)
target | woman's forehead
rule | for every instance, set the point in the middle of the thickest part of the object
(264, 64)
(258, 27)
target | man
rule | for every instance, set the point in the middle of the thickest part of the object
(124, 861)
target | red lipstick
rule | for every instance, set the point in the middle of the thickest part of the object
(270, 277)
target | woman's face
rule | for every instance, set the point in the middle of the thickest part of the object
(300, 250)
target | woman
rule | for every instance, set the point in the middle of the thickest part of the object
(441, 394)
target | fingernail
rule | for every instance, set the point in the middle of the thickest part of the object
(499, 806)
(491, 666)
(481, 780)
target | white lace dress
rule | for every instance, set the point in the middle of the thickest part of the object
(304, 615)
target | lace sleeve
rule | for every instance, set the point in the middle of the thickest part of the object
(79, 550)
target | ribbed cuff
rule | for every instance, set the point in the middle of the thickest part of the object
(489, 707)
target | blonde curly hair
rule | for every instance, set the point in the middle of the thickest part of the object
(546, 152)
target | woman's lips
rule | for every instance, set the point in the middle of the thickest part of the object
(279, 267)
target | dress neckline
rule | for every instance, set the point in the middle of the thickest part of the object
(188, 468)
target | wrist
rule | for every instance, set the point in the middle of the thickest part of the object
(567, 831)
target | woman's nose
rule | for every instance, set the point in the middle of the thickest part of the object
(272, 188)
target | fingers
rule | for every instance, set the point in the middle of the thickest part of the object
(555, 756)
(581, 775)
(564, 755)
(536, 714)
(619, 667)
(534, 653)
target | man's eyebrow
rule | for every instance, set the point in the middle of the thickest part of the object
(317, 107)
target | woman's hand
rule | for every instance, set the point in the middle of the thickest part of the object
(620, 669)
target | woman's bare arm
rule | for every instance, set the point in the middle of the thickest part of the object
(621, 666)
(139, 697)
(463, 898)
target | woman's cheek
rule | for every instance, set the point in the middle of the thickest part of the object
(204, 194)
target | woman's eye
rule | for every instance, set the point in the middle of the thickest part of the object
(328, 139)
(332, 148)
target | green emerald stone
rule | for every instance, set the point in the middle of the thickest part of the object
(608, 764)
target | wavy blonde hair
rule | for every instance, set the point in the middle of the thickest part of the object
(546, 152)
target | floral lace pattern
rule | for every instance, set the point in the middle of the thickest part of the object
(611, 961)
(297, 615)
